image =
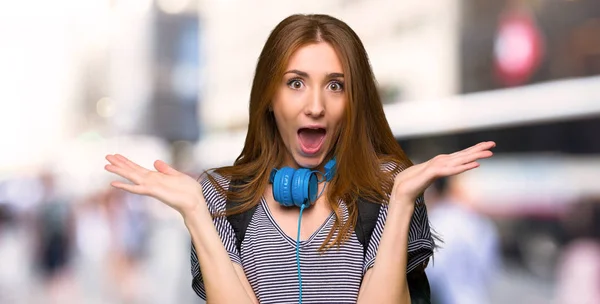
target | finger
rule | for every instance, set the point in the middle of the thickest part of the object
(114, 160)
(486, 145)
(123, 172)
(129, 163)
(469, 149)
(128, 169)
(136, 189)
(449, 171)
(162, 167)
(471, 157)
(466, 167)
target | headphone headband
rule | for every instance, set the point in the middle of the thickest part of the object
(330, 169)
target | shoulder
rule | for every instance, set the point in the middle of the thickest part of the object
(212, 179)
(214, 189)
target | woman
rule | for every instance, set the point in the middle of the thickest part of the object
(314, 104)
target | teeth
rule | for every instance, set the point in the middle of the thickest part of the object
(313, 129)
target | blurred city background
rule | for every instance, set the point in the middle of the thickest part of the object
(170, 80)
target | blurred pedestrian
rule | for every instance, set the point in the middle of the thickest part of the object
(467, 262)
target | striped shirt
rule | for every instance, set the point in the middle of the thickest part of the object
(268, 255)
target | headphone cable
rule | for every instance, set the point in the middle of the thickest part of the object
(298, 254)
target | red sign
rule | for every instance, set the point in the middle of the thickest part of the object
(518, 48)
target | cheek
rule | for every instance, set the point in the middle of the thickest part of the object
(280, 120)
(283, 119)
(286, 108)
(339, 111)
(284, 129)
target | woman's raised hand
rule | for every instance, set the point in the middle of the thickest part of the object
(412, 182)
(177, 190)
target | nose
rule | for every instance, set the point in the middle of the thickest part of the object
(315, 106)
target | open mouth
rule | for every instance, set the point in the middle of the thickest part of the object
(311, 139)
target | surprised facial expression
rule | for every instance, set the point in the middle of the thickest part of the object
(309, 104)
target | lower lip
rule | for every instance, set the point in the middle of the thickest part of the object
(311, 151)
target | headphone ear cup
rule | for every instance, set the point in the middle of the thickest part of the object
(298, 195)
(282, 186)
(304, 187)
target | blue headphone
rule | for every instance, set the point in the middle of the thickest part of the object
(297, 187)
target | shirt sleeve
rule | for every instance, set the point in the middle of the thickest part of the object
(420, 240)
(216, 203)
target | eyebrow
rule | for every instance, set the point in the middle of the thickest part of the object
(305, 75)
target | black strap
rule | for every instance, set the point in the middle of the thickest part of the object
(418, 286)
(240, 221)
(368, 213)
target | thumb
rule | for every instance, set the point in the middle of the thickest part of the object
(162, 167)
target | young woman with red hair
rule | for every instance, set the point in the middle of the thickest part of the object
(318, 157)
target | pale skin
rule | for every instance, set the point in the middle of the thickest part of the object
(314, 98)
(311, 93)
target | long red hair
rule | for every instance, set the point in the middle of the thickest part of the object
(365, 141)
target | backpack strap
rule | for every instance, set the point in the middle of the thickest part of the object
(418, 285)
(240, 221)
(368, 213)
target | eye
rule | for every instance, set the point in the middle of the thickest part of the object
(336, 86)
(295, 84)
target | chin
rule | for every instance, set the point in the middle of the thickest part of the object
(310, 162)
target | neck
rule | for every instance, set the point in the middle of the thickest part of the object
(293, 164)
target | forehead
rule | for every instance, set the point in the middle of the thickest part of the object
(318, 58)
